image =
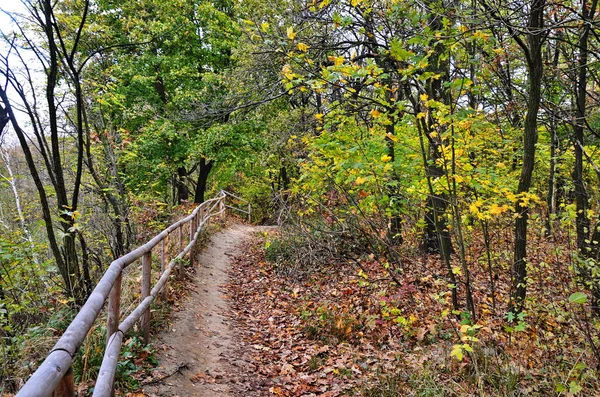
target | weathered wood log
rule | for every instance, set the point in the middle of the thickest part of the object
(163, 265)
(181, 270)
(106, 376)
(192, 253)
(222, 207)
(114, 308)
(146, 275)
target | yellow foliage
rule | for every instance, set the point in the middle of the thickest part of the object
(497, 210)
(286, 71)
(337, 61)
(303, 47)
(291, 34)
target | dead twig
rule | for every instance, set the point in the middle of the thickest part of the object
(158, 380)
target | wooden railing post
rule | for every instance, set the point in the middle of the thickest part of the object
(249, 217)
(192, 251)
(163, 265)
(180, 267)
(66, 387)
(222, 207)
(114, 308)
(146, 275)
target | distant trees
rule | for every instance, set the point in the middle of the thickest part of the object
(164, 92)
(48, 47)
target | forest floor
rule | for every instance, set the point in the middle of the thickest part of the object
(198, 353)
(256, 327)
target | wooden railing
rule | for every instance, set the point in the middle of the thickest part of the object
(54, 376)
(241, 200)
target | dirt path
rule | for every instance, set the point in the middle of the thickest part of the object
(197, 349)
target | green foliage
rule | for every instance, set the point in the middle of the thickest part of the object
(578, 298)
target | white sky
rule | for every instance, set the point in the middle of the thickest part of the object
(6, 27)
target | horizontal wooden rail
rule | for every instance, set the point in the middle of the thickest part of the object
(247, 212)
(58, 362)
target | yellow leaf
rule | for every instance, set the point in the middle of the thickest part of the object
(291, 34)
(473, 209)
(375, 113)
(337, 61)
(424, 97)
(264, 26)
(497, 210)
(385, 158)
(457, 270)
(287, 72)
(319, 116)
(303, 47)
(360, 180)
(457, 352)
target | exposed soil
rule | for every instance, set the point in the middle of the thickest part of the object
(197, 355)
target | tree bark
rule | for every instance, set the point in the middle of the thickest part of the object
(205, 168)
(183, 193)
(535, 67)
(436, 236)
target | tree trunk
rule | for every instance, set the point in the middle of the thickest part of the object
(183, 193)
(205, 167)
(436, 236)
(588, 247)
(535, 68)
(551, 196)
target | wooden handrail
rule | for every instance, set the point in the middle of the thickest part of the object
(248, 212)
(49, 375)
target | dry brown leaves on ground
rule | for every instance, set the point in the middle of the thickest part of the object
(340, 331)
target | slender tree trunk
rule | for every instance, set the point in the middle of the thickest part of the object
(205, 167)
(395, 221)
(436, 236)
(535, 68)
(588, 247)
(13, 186)
(551, 196)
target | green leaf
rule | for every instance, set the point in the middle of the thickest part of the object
(574, 387)
(578, 297)
(398, 51)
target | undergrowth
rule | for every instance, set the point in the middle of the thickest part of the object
(549, 349)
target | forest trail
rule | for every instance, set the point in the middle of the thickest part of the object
(196, 355)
